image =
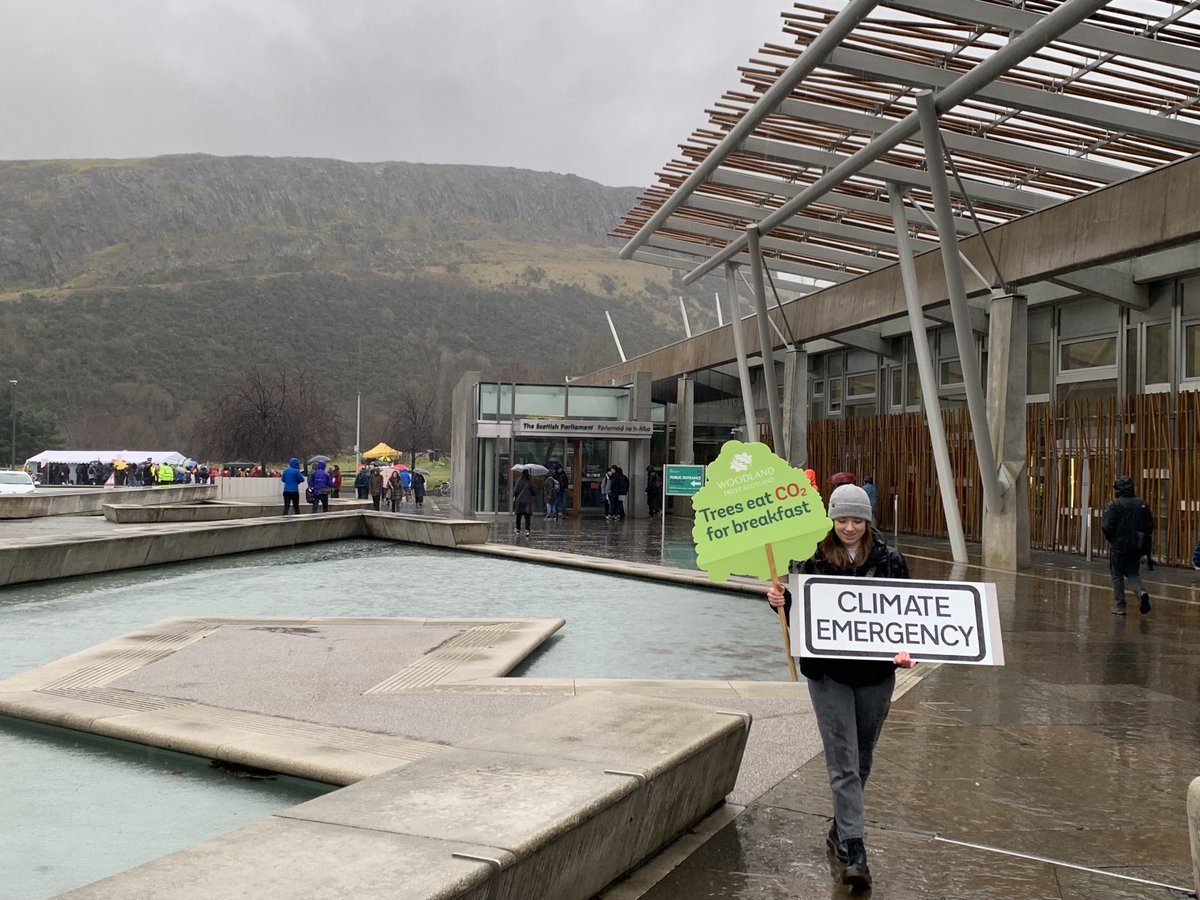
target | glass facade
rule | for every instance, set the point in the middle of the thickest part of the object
(584, 402)
(1088, 354)
(584, 459)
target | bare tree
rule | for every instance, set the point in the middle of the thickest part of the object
(413, 420)
(269, 414)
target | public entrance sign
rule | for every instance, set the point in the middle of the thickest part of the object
(754, 508)
(682, 481)
(876, 618)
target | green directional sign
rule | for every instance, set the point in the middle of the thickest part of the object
(683, 481)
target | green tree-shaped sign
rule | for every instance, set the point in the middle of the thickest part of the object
(753, 498)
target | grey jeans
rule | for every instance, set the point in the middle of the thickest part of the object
(1124, 567)
(850, 720)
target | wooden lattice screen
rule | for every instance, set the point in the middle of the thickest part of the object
(1075, 450)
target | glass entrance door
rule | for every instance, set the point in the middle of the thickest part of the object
(593, 464)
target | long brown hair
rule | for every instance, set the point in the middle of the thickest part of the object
(835, 553)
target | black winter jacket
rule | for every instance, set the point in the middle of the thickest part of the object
(884, 562)
(1127, 522)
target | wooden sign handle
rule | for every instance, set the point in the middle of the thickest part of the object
(783, 626)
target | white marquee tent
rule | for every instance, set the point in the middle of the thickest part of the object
(170, 457)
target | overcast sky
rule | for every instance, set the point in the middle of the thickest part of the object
(604, 89)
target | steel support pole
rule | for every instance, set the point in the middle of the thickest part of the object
(929, 392)
(831, 35)
(1067, 15)
(739, 348)
(963, 334)
(765, 345)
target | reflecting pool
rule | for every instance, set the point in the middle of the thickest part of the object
(85, 807)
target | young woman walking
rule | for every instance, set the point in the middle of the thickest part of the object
(851, 698)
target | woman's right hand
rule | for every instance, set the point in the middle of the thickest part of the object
(775, 595)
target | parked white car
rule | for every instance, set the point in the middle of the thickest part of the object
(16, 483)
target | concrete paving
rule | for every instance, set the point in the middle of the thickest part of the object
(1063, 774)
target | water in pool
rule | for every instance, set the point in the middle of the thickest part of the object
(88, 807)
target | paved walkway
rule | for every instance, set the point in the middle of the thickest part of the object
(1061, 775)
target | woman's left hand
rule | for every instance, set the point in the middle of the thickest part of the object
(903, 660)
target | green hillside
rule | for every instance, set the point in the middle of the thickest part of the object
(132, 291)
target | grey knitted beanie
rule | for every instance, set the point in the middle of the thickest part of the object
(849, 501)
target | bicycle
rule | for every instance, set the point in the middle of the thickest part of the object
(443, 489)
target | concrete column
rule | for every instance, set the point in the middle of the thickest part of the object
(685, 420)
(795, 406)
(1006, 528)
(463, 443)
(685, 440)
(639, 449)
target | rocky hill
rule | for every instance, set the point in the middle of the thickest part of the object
(132, 289)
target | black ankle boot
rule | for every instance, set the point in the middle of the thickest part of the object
(858, 873)
(834, 843)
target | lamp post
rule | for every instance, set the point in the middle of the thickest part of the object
(13, 409)
(358, 434)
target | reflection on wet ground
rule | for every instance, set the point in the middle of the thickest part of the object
(1063, 774)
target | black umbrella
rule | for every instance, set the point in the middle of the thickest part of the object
(319, 458)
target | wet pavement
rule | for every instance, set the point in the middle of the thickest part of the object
(1063, 774)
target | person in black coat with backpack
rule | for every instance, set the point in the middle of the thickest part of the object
(1128, 525)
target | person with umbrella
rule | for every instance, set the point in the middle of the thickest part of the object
(321, 485)
(523, 502)
(418, 487)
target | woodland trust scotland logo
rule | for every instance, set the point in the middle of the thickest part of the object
(753, 498)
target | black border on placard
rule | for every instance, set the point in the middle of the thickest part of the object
(905, 584)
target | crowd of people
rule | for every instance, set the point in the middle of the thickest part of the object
(121, 473)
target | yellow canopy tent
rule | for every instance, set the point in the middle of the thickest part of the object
(380, 450)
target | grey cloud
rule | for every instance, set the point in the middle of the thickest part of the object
(603, 89)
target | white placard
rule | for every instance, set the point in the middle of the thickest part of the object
(875, 618)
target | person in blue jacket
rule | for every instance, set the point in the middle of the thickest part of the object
(292, 478)
(405, 483)
(1196, 556)
(321, 485)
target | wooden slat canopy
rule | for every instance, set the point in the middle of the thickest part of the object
(1113, 97)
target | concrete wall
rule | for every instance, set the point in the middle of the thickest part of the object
(91, 501)
(64, 558)
(463, 443)
(253, 488)
(554, 808)
(127, 514)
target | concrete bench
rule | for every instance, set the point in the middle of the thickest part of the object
(556, 807)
